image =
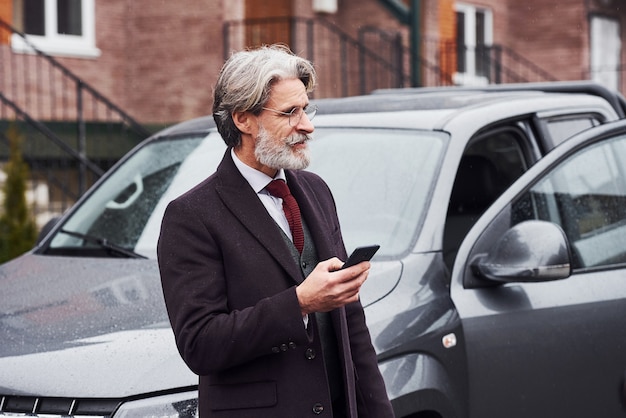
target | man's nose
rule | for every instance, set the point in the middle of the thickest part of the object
(305, 124)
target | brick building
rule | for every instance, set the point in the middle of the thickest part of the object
(157, 60)
(88, 77)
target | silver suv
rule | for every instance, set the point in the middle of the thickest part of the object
(499, 288)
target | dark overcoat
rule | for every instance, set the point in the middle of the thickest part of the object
(229, 282)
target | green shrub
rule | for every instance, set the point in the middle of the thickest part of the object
(18, 230)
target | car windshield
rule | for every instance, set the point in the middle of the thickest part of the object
(381, 180)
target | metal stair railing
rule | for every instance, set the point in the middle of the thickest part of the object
(73, 132)
(51, 162)
(64, 78)
(494, 64)
(350, 66)
(376, 59)
(511, 67)
(49, 135)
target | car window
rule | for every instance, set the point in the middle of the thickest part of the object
(381, 180)
(127, 208)
(490, 164)
(561, 128)
(586, 196)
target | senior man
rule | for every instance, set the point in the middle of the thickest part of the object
(251, 259)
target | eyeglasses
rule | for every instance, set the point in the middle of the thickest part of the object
(296, 113)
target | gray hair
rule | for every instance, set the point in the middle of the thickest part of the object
(245, 82)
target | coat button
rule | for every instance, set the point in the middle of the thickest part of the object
(275, 350)
(309, 354)
(283, 347)
(292, 345)
(318, 408)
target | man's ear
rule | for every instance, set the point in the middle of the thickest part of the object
(244, 121)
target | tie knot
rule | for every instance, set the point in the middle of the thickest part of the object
(278, 188)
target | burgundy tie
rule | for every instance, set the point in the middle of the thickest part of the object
(278, 188)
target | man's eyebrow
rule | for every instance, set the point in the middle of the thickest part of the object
(291, 108)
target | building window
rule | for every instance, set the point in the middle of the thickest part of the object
(34, 22)
(56, 27)
(325, 6)
(474, 40)
(69, 17)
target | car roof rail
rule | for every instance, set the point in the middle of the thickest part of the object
(614, 98)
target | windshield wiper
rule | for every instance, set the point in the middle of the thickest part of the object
(104, 243)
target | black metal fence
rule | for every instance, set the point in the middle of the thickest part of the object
(350, 66)
(376, 58)
(498, 64)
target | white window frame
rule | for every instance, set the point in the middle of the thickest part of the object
(325, 6)
(606, 50)
(53, 43)
(469, 77)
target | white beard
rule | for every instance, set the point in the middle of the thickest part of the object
(281, 154)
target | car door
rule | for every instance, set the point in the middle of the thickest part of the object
(540, 286)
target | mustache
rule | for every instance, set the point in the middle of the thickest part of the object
(297, 138)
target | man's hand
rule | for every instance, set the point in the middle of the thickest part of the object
(327, 287)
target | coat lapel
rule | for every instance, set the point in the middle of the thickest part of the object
(245, 205)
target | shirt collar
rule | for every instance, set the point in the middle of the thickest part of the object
(257, 179)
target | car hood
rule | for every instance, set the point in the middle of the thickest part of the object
(85, 327)
(97, 327)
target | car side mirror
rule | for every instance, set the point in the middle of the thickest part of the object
(531, 251)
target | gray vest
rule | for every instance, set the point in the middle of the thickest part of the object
(307, 262)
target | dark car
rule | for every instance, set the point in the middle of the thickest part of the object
(499, 289)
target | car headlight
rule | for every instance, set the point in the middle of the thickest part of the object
(178, 405)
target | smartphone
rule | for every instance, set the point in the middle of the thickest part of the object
(361, 254)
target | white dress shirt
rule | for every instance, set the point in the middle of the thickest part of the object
(258, 181)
